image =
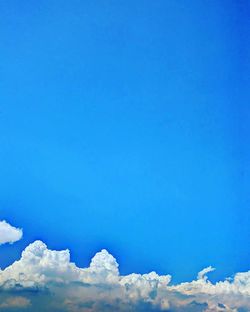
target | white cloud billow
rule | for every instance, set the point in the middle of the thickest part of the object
(9, 233)
(100, 287)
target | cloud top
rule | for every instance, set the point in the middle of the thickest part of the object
(60, 285)
(9, 233)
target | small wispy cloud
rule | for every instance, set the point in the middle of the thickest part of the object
(15, 302)
(9, 233)
(62, 286)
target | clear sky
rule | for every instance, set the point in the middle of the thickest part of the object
(125, 125)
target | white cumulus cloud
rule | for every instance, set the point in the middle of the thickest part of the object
(62, 286)
(8, 233)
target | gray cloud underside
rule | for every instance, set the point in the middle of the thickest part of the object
(46, 280)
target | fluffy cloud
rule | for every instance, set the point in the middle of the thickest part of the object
(8, 233)
(49, 280)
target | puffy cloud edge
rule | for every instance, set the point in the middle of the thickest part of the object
(9, 234)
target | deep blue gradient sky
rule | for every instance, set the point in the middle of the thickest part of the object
(125, 125)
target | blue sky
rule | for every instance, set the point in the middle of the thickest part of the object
(125, 125)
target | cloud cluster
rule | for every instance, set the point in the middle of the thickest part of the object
(47, 280)
(8, 233)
